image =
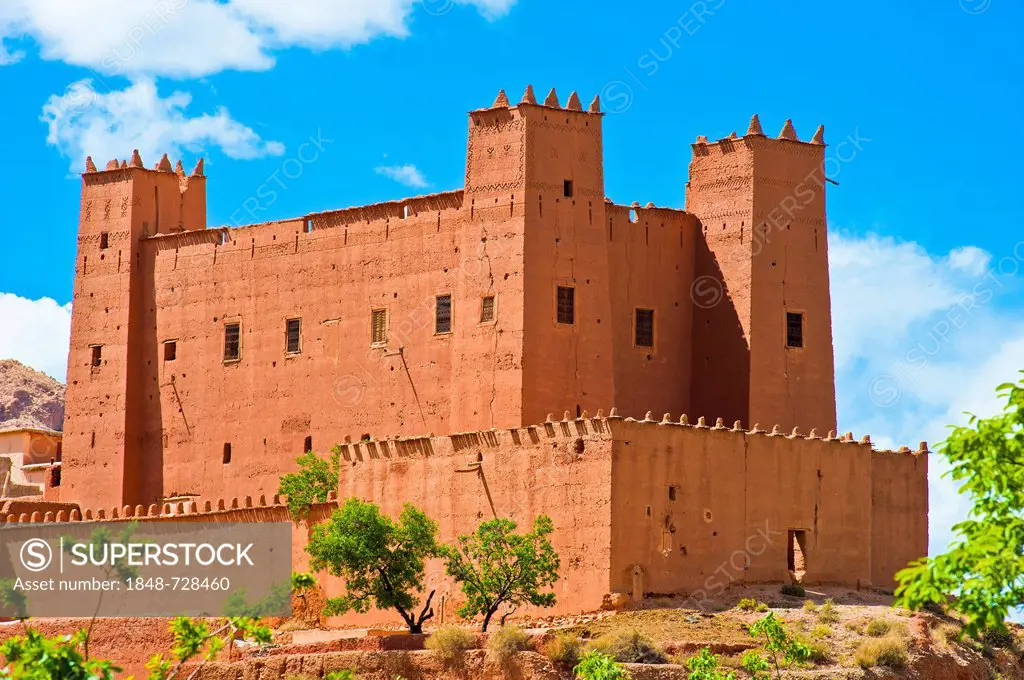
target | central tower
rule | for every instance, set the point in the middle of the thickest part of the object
(540, 167)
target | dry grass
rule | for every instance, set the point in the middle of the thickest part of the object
(450, 642)
(670, 625)
(828, 612)
(505, 642)
(630, 647)
(889, 651)
(565, 649)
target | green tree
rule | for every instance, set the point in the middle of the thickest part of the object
(313, 483)
(781, 648)
(34, 656)
(381, 561)
(497, 566)
(597, 666)
(981, 576)
(704, 666)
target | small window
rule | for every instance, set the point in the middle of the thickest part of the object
(379, 327)
(227, 454)
(104, 240)
(443, 314)
(170, 350)
(232, 341)
(794, 330)
(54, 476)
(567, 188)
(293, 334)
(671, 493)
(97, 355)
(645, 328)
(566, 305)
(307, 445)
(487, 309)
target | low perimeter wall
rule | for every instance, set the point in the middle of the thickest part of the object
(639, 507)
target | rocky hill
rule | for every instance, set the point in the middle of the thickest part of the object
(29, 398)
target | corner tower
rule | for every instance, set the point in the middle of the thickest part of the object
(105, 462)
(762, 322)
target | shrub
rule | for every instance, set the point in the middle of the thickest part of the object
(597, 666)
(878, 627)
(889, 651)
(503, 643)
(564, 649)
(793, 590)
(818, 652)
(630, 647)
(761, 607)
(449, 642)
(998, 637)
(747, 604)
(343, 674)
(810, 607)
(828, 612)
(821, 631)
(704, 666)
(950, 633)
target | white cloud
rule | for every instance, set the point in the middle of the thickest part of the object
(36, 333)
(189, 38)
(920, 338)
(409, 175)
(109, 125)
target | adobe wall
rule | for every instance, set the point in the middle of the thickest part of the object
(562, 469)
(734, 497)
(651, 265)
(899, 502)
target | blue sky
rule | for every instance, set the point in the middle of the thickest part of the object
(925, 221)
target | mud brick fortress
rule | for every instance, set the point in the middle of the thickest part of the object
(519, 346)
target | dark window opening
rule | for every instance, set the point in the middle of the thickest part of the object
(378, 327)
(645, 328)
(232, 341)
(671, 493)
(104, 241)
(567, 188)
(170, 351)
(54, 476)
(293, 334)
(794, 330)
(487, 309)
(92, 441)
(566, 305)
(796, 558)
(227, 454)
(307, 445)
(443, 314)
(97, 355)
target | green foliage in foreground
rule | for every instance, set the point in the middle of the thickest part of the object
(981, 576)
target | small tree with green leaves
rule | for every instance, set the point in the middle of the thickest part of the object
(496, 566)
(597, 666)
(34, 656)
(381, 561)
(981, 576)
(313, 483)
(781, 649)
(194, 640)
(704, 666)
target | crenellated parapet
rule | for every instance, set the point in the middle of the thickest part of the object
(598, 426)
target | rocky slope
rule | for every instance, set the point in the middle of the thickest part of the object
(29, 398)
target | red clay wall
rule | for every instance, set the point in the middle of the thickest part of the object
(899, 502)
(735, 496)
(651, 262)
(560, 469)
